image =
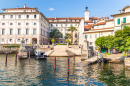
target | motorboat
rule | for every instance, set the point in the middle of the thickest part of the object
(40, 55)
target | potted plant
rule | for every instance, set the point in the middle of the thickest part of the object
(53, 40)
(67, 40)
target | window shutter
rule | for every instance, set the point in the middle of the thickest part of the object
(124, 20)
(118, 21)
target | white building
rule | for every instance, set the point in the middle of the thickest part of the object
(63, 24)
(122, 19)
(25, 22)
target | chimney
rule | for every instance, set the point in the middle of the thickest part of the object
(119, 11)
(68, 17)
(37, 8)
(95, 16)
(55, 17)
(24, 5)
(17, 7)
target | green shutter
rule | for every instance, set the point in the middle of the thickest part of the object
(124, 26)
(124, 20)
(118, 21)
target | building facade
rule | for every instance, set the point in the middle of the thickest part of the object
(28, 23)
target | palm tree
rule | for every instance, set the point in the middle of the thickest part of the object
(72, 29)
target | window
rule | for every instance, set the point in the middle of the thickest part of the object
(3, 40)
(75, 24)
(101, 33)
(56, 25)
(75, 20)
(18, 40)
(11, 16)
(10, 40)
(118, 21)
(27, 31)
(24, 10)
(124, 20)
(51, 25)
(19, 16)
(75, 35)
(94, 21)
(26, 40)
(19, 23)
(27, 16)
(11, 23)
(95, 35)
(3, 16)
(85, 36)
(66, 20)
(11, 31)
(3, 23)
(3, 31)
(61, 42)
(66, 25)
(97, 26)
(61, 35)
(111, 32)
(90, 36)
(34, 31)
(91, 43)
(61, 25)
(34, 23)
(35, 16)
(19, 32)
(27, 23)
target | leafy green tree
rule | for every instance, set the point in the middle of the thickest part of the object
(67, 36)
(72, 29)
(55, 33)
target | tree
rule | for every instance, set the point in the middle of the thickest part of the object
(72, 29)
(105, 42)
(55, 33)
(67, 36)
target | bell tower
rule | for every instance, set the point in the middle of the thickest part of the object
(86, 14)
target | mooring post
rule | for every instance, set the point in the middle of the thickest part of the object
(6, 60)
(55, 63)
(16, 58)
(74, 59)
(68, 68)
(29, 54)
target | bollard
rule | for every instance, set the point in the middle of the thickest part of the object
(29, 54)
(6, 60)
(55, 63)
(73, 59)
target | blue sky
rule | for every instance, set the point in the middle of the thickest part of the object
(72, 8)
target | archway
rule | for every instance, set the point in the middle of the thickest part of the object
(34, 40)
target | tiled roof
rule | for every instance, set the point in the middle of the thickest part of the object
(109, 20)
(87, 27)
(100, 23)
(125, 7)
(88, 22)
(93, 18)
(71, 18)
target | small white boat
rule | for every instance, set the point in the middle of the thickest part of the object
(40, 55)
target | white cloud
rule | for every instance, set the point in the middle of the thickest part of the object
(51, 9)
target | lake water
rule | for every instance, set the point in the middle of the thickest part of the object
(41, 73)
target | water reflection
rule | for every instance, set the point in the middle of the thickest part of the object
(42, 72)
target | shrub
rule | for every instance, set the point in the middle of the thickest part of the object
(11, 46)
